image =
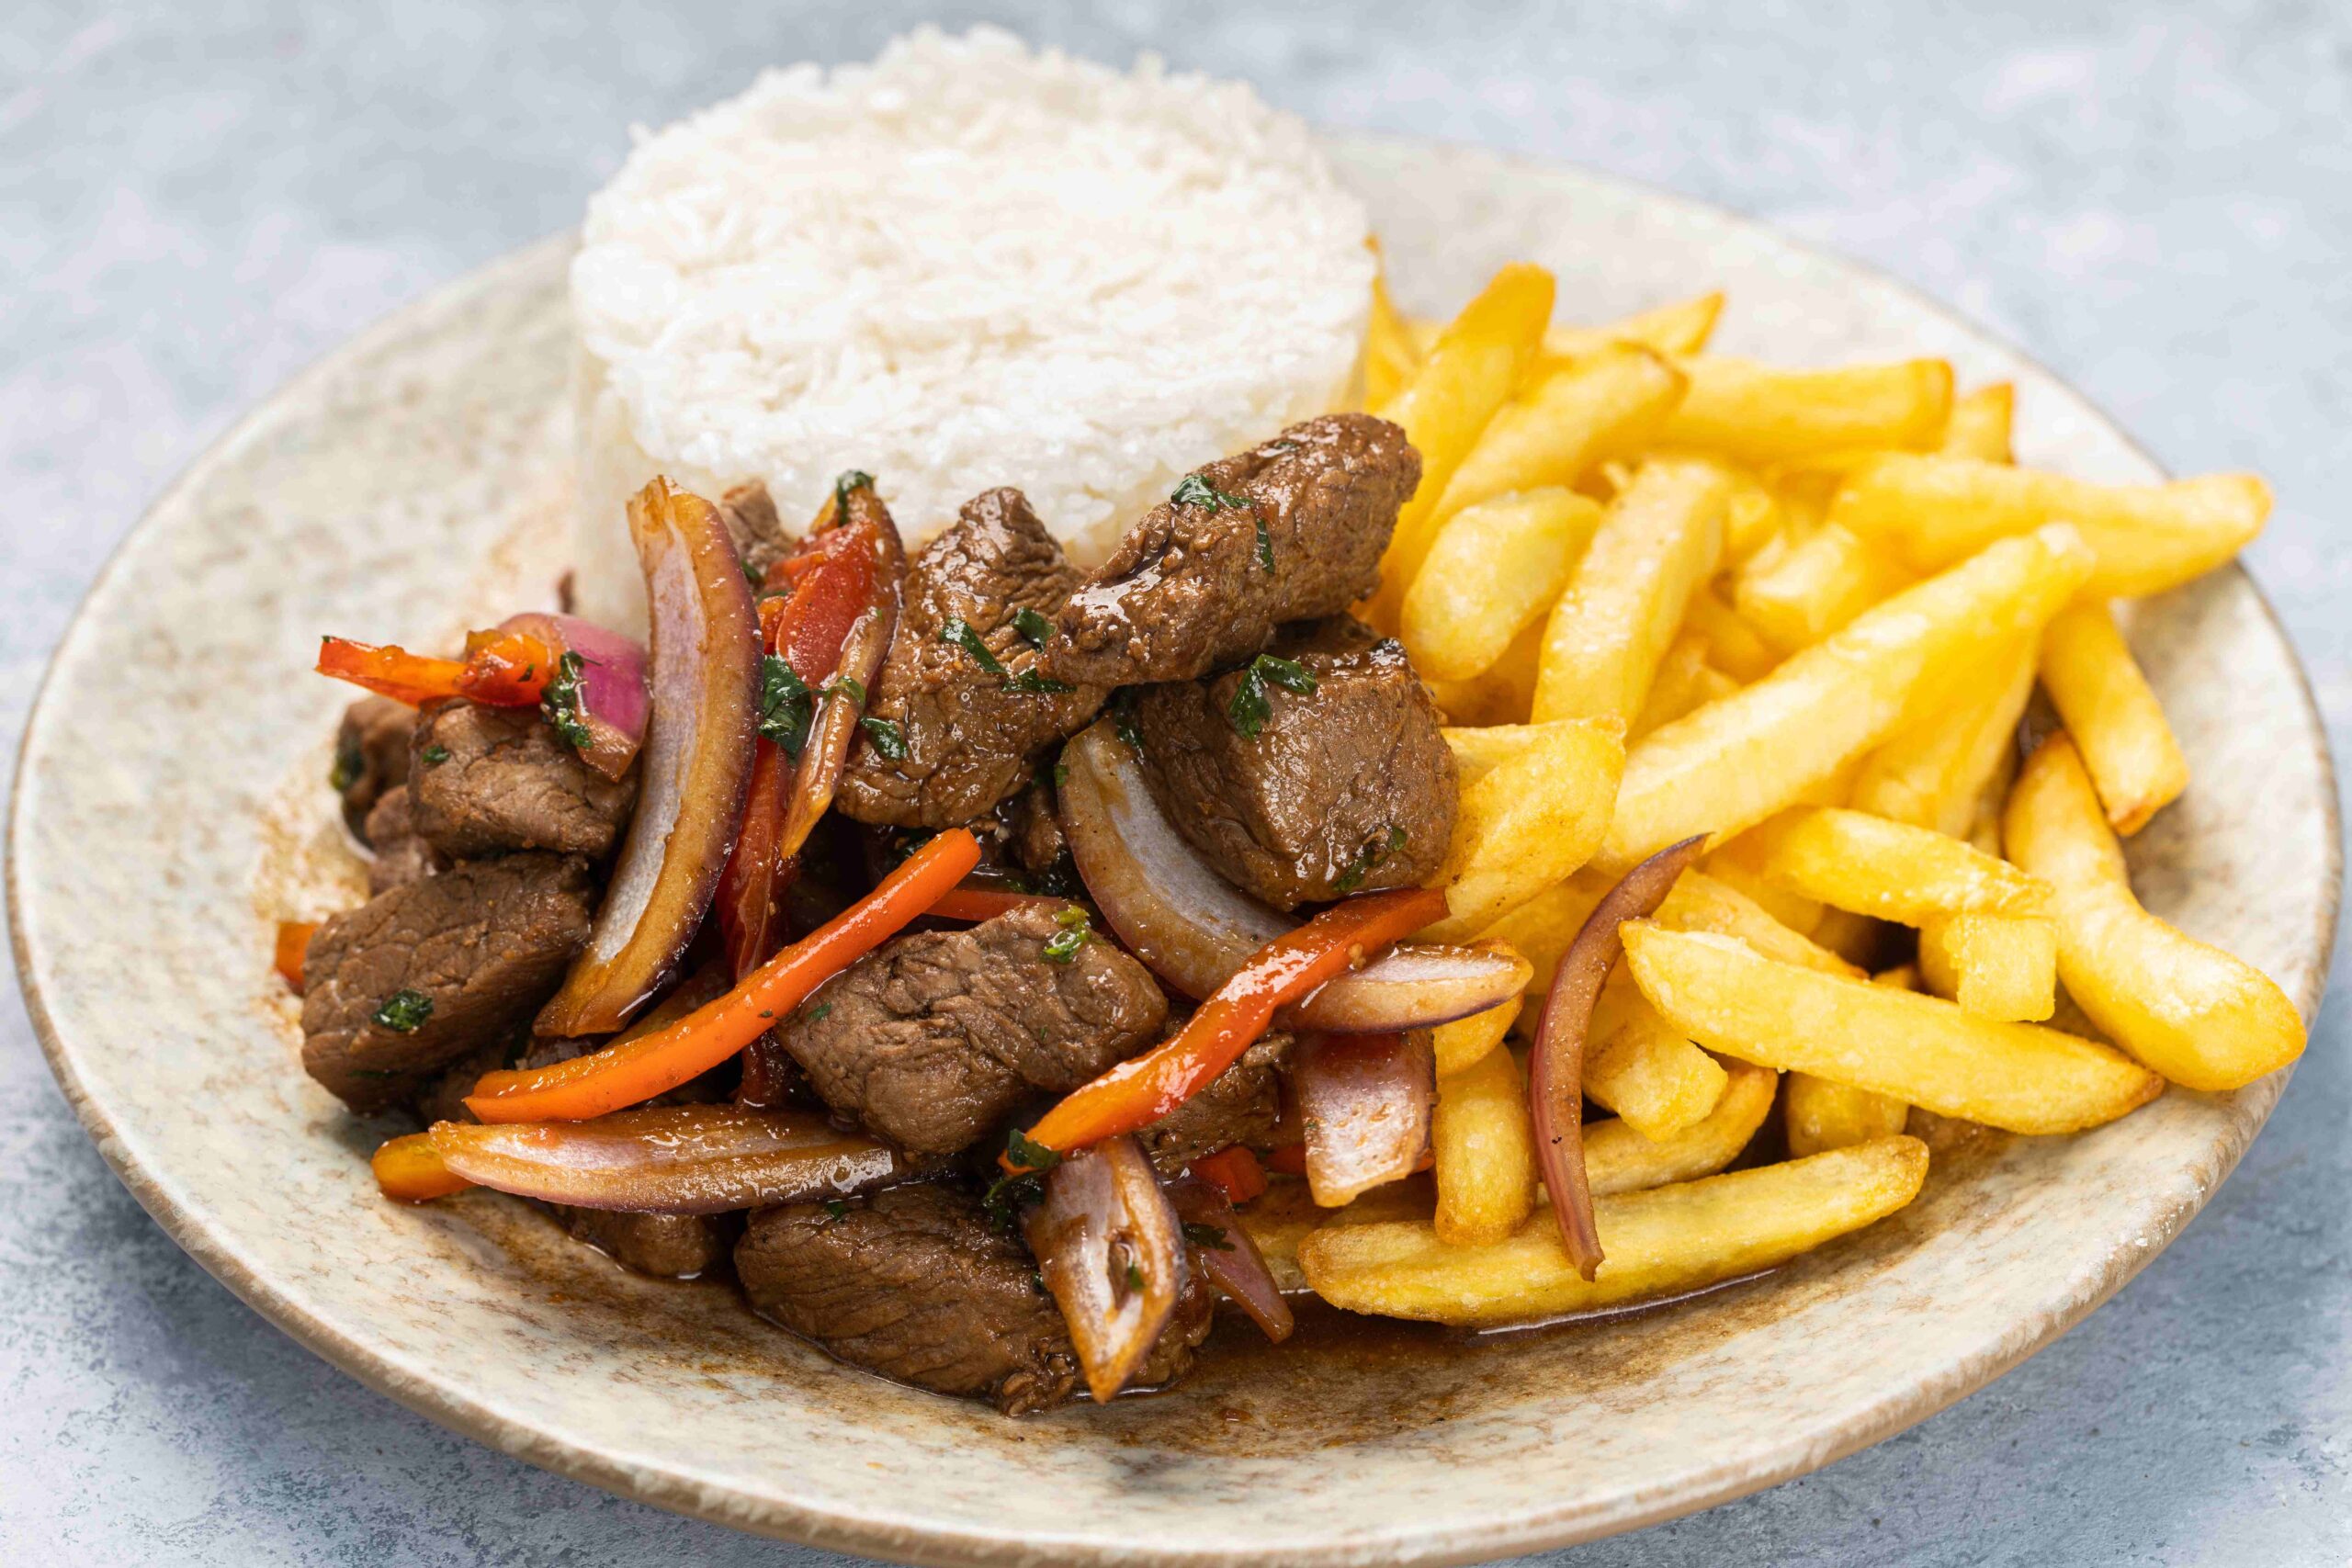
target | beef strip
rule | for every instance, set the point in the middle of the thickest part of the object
(971, 737)
(915, 1284)
(484, 780)
(1345, 789)
(483, 945)
(1240, 1105)
(933, 1039)
(371, 756)
(1033, 833)
(400, 856)
(1190, 588)
(751, 519)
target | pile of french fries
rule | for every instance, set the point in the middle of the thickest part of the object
(1660, 593)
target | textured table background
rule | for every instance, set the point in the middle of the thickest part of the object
(2156, 200)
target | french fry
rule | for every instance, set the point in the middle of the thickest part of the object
(1527, 822)
(1462, 1045)
(1485, 1152)
(1684, 682)
(1682, 327)
(2117, 725)
(1607, 405)
(1752, 517)
(1541, 929)
(1888, 869)
(1494, 569)
(1932, 510)
(1825, 1115)
(1644, 1069)
(1704, 903)
(1659, 1242)
(1925, 1050)
(1471, 372)
(1286, 1214)
(1764, 413)
(1932, 773)
(1979, 426)
(1659, 540)
(1855, 938)
(1998, 966)
(1619, 1159)
(2198, 1015)
(1504, 693)
(1390, 354)
(1817, 585)
(1736, 762)
(1737, 866)
(1733, 646)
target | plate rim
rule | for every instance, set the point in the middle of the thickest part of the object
(947, 1546)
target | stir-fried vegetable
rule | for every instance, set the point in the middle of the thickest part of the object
(632, 1071)
(502, 669)
(1138, 1092)
(1111, 1249)
(1223, 1254)
(1364, 1102)
(596, 698)
(1233, 1172)
(292, 947)
(409, 1169)
(987, 903)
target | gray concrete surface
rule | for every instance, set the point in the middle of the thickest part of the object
(2156, 199)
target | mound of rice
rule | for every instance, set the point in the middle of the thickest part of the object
(966, 264)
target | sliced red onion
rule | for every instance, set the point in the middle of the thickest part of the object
(1229, 1258)
(1555, 1066)
(1195, 928)
(1363, 1102)
(670, 1159)
(615, 701)
(705, 664)
(1111, 1249)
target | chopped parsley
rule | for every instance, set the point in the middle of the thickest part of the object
(816, 1014)
(1033, 626)
(1135, 1276)
(751, 576)
(350, 761)
(1210, 1238)
(1028, 1154)
(849, 686)
(435, 754)
(404, 1011)
(959, 633)
(1123, 718)
(1025, 1188)
(1061, 773)
(1374, 850)
(1035, 684)
(887, 737)
(560, 700)
(1265, 545)
(1195, 490)
(835, 1209)
(1249, 708)
(786, 704)
(850, 479)
(1063, 945)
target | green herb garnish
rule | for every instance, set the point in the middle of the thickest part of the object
(1123, 718)
(560, 700)
(1265, 545)
(906, 843)
(1210, 1237)
(1195, 490)
(886, 738)
(849, 686)
(959, 633)
(786, 704)
(350, 761)
(404, 1011)
(1061, 774)
(1285, 445)
(1063, 945)
(816, 1014)
(850, 479)
(1373, 852)
(1033, 626)
(1036, 684)
(1028, 1154)
(835, 1209)
(1249, 708)
(753, 577)
(435, 754)
(1135, 1276)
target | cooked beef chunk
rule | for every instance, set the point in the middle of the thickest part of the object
(1032, 835)
(400, 856)
(443, 1098)
(750, 513)
(1344, 789)
(915, 1284)
(371, 756)
(668, 1247)
(932, 1039)
(971, 733)
(1240, 1105)
(483, 781)
(422, 974)
(1199, 583)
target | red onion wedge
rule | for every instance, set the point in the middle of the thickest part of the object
(1227, 1258)
(698, 763)
(1112, 1252)
(1555, 1066)
(670, 1159)
(1195, 928)
(1363, 1102)
(605, 695)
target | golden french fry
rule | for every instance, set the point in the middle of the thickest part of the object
(1752, 517)
(1979, 426)
(1704, 903)
(1855, 938)
(1286, 1214)
(1619, 1159)
(1684, 682)
(1817, 585)
(2195, 1013)
(1638, 1065)
(1659, 1242)
(1541, 930)
(1932, 510)
(1736, 762)
(1390, 355)
(1504, 693)
(1527, 822)
(1485, 1152)
(2117, 725)
(1825, 1115)
(1932, 773)
(1733, 646)
(1735, 865)
(1462, 1045)
(1682, 327)
(1889, 870)
(1925, 1050)
(1495, 570)
(1659, 540)
(1576, 413)
(1764, 413)
(1471, 372)
(2000, 966)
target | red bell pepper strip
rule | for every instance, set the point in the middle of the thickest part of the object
(500, 669)
(1135, 1093)
(1234, 1171)
(293, 947)
(630, 1071)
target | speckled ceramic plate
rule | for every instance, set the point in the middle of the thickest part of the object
(413, 484)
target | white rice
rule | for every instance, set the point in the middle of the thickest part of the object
(966, 264)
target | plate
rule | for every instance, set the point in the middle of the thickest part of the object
(169, 806)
